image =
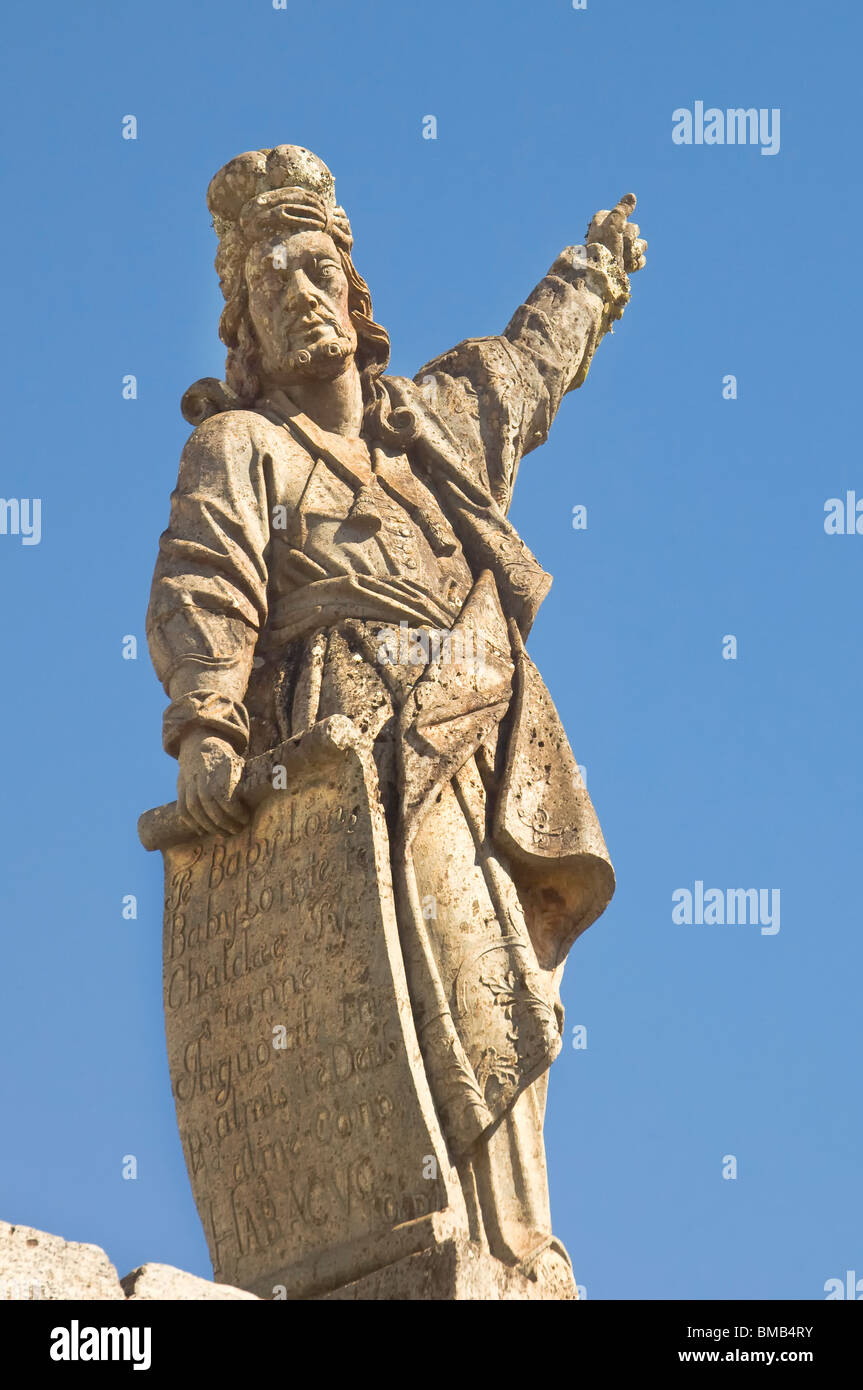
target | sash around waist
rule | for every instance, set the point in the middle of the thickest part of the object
(324, 602)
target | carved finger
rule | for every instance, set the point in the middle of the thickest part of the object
(238, 811)
(193, 813)
(611, 233)
(616, 219)
(626, 206)
(596, 224)
(219, 814)
(198, 808)
(183, 804)
(224, 791)
(634, 253)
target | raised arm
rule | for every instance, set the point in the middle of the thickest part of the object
(511, 386)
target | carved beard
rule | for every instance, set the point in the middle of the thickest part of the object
(322, 360)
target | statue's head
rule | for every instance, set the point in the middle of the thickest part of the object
(298, 299)
(294, 302)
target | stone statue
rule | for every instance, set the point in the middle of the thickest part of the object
(382, 848)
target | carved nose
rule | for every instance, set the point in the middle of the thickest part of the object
(304, 295)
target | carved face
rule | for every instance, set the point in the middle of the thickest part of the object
(298, 305)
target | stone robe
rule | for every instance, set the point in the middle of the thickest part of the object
(305, 574)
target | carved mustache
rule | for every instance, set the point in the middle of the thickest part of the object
(314, 320)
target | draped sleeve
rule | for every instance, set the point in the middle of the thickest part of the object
(507, 389)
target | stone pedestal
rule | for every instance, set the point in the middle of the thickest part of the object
(458, 1269)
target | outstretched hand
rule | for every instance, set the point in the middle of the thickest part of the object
(619, 236)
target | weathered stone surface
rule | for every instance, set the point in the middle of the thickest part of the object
(460, 1270)
(309, 1133)
(340, 589)
(163, 1282)
(38, 1266)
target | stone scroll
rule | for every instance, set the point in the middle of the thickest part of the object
(308, 1130)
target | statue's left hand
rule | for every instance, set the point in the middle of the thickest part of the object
(619, 236)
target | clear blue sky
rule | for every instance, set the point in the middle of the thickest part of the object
(705, 518)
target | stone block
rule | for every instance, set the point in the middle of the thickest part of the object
(37, 1266)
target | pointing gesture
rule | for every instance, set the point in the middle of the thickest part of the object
(620, 237)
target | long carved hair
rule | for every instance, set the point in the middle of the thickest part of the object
(391, 426)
